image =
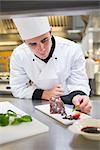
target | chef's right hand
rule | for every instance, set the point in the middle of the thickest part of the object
(56, 91)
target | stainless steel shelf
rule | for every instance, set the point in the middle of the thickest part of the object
(47, 7)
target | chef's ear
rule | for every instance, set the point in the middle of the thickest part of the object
(24, 41)
(50, 29)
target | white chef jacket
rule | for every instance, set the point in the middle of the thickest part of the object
(65, 67)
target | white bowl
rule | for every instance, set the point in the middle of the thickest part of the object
(78, 125)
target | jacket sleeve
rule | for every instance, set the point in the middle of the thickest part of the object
(78, 79)
(67, 99)
(19, 81)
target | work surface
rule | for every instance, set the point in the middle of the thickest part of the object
(58, 137)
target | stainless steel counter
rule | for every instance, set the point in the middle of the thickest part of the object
(58, 137)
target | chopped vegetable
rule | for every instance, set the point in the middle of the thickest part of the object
(76, 116)
(25, 118)
(11, 113)
(72, 117)
(4, 120)
(11, 118)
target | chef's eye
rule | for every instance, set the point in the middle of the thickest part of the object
(32, 44)
(45, 40)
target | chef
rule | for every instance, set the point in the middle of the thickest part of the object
(47, 66)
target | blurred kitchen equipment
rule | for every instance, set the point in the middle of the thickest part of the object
(97, 83)
(46, 8)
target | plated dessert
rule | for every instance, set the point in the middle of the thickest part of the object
(57, 106)
(61, 112)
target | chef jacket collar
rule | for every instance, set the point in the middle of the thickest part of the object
(51, 51)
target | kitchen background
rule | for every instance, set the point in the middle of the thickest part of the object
(82, 28)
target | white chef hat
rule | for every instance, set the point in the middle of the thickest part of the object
(30, 27)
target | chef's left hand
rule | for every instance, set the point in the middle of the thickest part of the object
(83, 102)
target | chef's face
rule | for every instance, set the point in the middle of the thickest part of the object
(40, 45)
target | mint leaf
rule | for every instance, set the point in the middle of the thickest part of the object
(26, 118)
(11, 113)
(4, 120)
(10, 118)
(16, 121)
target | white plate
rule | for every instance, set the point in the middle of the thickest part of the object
(78, 125)
(46, 109)
(11, 133)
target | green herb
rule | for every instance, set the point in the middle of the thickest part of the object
(25, 118)
(16, 121)
(11, 113)
(75, 108)
(11, 118)
(4, 120)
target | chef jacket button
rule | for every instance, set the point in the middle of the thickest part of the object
(33, 59)
(56, 58)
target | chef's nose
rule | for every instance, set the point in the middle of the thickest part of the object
(41, 47)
